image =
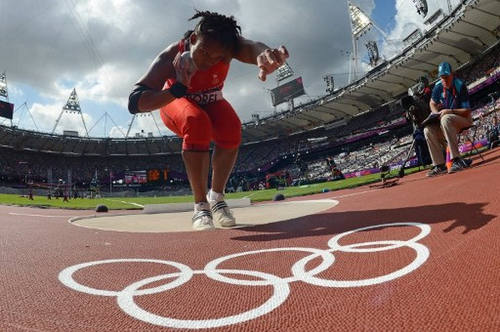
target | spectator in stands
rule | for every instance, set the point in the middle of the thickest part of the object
(450, 101)
(193, 107)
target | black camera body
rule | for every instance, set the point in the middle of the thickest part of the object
(416, 104)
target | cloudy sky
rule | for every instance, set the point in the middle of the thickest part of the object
(102, 47)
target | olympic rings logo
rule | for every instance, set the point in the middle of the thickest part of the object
(281, 288)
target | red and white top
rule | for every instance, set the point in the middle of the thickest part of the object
(204, 82)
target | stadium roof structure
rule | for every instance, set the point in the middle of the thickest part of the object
(471, 29)
(19, 139)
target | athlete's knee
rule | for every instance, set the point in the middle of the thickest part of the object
(229, 144)
(230, 138)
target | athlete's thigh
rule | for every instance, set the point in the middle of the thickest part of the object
(226, 125)
(182, 114)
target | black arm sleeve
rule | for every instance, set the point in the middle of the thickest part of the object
(133, 99)
(178, 90)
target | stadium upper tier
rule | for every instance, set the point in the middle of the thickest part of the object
(471, 29)
(461, 38)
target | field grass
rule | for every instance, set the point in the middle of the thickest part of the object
(121, 203)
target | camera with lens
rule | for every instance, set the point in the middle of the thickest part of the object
(416, 104)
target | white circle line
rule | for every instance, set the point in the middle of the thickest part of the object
(66, 276)
(126, 303)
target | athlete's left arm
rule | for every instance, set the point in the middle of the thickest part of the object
(257, 53)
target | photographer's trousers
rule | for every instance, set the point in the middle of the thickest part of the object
(438, 135)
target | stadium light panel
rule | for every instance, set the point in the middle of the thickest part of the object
(284, 72)
(330, 83)
(360, 22)
(3, 86)
(73, 104)
(373, 53)
(422, 7)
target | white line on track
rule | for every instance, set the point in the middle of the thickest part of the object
(132, 203)
(36, 215)
(354, 194)
(307, 201)
(125, 202)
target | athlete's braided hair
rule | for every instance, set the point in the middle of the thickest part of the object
(217, 27)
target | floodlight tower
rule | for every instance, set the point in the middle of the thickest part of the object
(373, 53)
(141, 115)
(422, 7)
(330, 83)
(450, 8)
(283, 73)
(360, 25)
(4, 91)
(72, 106)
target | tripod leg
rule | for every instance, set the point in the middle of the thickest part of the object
(402, 169)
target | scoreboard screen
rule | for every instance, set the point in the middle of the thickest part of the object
(136, 177)
(6, 109)
(287, 91)
(154, 175)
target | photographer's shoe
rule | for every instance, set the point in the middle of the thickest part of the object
(437, 170)
(466, 162)
(457, 165)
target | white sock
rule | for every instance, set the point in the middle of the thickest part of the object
(215, 196)
(201, 206)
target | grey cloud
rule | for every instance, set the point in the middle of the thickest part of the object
(47, 41)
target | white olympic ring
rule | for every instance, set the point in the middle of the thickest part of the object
(125, 297)
(211, 268)
(126, 302)
(67, 276)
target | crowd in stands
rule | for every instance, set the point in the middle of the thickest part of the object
(17, 167)
(486, 119)
(374, 155)
(482, 69)
(361, 127)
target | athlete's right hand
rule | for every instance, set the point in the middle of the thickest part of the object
(184, 67)
(270, 60)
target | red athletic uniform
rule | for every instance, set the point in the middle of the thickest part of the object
(203, 115)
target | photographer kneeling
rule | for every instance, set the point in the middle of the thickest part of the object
(451, 109)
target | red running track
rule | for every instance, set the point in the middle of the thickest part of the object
(434, 265)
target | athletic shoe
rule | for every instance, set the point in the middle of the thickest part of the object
(457, 165)
(466, 162)
(202, 220)
(437, 170)
(222, 214)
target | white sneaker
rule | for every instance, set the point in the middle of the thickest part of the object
(220, 211)
(222, 214)
(202, 220)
